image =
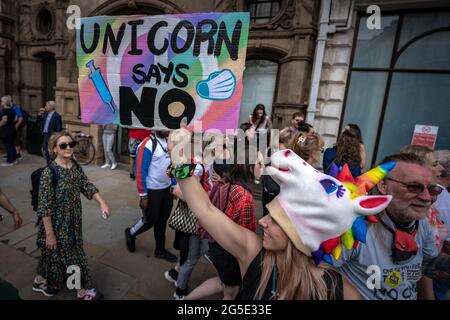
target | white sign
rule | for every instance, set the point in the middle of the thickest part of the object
(425, 135)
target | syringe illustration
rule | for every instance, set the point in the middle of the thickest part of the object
(100, 85)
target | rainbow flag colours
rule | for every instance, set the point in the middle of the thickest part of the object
(151, 71)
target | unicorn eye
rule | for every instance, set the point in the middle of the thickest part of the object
(329, 185)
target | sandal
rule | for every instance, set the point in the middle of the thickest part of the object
(91, 294)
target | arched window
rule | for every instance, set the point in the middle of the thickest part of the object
(258, 86)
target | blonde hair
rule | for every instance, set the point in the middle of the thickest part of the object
(285, 136)
(52, 141)
(422, 152)
(298, 276)
(6, 100)
(304, 144)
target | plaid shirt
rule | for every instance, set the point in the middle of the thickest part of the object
(241, 207)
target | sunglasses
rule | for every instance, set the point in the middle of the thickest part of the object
(64, 146)
(414, 187)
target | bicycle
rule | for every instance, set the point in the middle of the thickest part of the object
(84, 150)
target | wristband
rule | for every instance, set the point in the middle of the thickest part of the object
(181, 171)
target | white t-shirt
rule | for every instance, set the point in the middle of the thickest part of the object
(442, 204)
(396, 281)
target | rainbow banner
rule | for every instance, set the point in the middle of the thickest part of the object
(151, 71)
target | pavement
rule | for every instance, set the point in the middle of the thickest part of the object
(117, 273)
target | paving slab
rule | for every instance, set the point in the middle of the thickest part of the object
(116, 272)
(93, 252)
(20, 234)
(28, 245)
(112, 282)
(134, 264)
(13, 260)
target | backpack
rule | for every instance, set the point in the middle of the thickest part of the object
(35, 181)
(155, 143)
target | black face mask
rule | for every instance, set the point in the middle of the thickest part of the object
(404, 245)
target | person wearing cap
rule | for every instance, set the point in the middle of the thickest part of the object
(306, 223)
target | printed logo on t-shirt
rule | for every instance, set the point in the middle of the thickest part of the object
(394, 279)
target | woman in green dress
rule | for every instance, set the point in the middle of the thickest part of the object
(59, 213)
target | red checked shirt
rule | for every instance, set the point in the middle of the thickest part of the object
(241, 207)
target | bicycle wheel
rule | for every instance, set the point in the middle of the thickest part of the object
(84, 152)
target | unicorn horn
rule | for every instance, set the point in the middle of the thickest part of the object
(368, 180)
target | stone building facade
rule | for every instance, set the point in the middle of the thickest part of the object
(38, 53)
(38, 58)
(387, 81)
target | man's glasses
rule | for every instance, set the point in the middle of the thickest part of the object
(64, 145)
(414, 187)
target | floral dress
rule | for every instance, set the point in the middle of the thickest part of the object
(63, 204)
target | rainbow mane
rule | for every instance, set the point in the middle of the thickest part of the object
(357, 233)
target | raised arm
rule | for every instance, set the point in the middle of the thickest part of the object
(240, 242)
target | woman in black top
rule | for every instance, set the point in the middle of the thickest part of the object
(8, 130)
(272, 267)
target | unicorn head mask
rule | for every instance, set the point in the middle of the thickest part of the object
(320, 213)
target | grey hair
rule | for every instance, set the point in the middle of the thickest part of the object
(51, 103)
(6, 100)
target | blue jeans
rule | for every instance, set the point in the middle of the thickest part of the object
(10, 148)
(197, 248)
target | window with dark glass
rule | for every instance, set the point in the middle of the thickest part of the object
(400, 77)
(262, 11)
(44, 21)
(260, 77)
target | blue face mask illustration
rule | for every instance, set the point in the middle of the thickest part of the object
(220, 85)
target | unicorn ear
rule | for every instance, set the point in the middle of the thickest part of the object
(368, 205)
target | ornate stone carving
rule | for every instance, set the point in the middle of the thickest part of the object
(25, 22)
(37, 34)
(132, 4)
(284, 19)
(225, 5)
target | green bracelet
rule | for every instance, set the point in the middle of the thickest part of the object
(181, 171)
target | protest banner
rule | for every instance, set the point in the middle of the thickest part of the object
(151, 71)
